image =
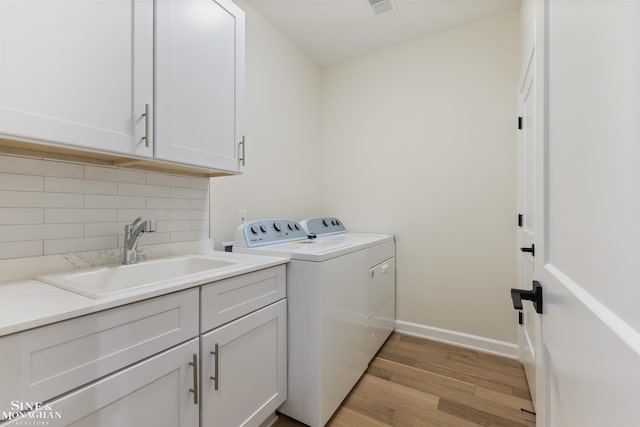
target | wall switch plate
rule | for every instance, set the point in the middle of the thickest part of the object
(242, 216)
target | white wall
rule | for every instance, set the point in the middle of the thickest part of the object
(420, 140)
(281, 176)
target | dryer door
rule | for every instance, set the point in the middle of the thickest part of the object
(382, 304)
(382, 285)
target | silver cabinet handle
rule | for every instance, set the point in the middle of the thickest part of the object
(146, 125)
(216, 353)
(241, 143)
(194, 390)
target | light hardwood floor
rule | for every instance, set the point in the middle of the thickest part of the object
(416, 382)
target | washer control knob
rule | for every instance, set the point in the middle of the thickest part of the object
(297, 226)
(254, 229)
(277, 226)
(337, 222)
(333, 222)
(290, 226)
(325, 222)
(263, 228)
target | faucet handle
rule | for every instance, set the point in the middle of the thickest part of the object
(136, 221)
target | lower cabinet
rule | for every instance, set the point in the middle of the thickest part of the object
(244, 368)
(156, 392)
(150, 364)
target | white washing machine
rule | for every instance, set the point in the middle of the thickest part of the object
(341, 308)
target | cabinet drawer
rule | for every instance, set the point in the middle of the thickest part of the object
(229, 299)
(42, 363)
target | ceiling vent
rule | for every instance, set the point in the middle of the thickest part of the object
(381, 6)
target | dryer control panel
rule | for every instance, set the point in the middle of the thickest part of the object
(268, 232)
(323, 226)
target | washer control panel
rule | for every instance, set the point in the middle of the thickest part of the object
(268, 232)
(322, 226)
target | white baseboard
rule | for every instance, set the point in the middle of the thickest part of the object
(474, 342)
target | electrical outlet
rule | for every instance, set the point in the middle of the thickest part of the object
(242, 216)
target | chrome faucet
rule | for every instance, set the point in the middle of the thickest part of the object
(132, 234)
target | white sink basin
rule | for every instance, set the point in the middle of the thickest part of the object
(103, 282)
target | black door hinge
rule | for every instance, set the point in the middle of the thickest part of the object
(531, 250)
(519, 122)
(519, 220)
(520, 318)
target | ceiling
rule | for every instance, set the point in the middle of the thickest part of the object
(333, 30)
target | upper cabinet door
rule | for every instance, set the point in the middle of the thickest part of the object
(199, 82)
(78, 73)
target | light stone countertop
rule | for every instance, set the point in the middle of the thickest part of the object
(28, 303)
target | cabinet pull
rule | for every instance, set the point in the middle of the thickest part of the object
(194, 390)
(216, 353)
(241, 143)
(146, 125)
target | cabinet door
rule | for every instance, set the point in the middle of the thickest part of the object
(199, 82)
(77, 73)
(250, 366)
(155, 393)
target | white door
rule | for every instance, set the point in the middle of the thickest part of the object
(587, 211)
(155, 392)
(529, 338)
(199, 82)
(78, 73)
(244, 368)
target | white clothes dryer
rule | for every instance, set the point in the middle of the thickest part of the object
(332, 334)
(382, 278)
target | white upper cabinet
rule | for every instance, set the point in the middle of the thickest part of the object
(81, 75)
(199, 83)
(78, 73)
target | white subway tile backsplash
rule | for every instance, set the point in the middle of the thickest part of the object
(201, 183)
(200, 225)
(23, 233)
(97, 201)
(174, 225)
(164, 203)
(28, 166)
(190, 214)
(143, 190)
(61, 246)
(21, 216)
(104, 229)
(168, 180)
(26, 199)
(185, 236)
(20, 250)
(114, 174)
(50, 207)
(199, 204)
(129, 215)
(189, 193)
(21, 182)
(73, 216)
(81, 186)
